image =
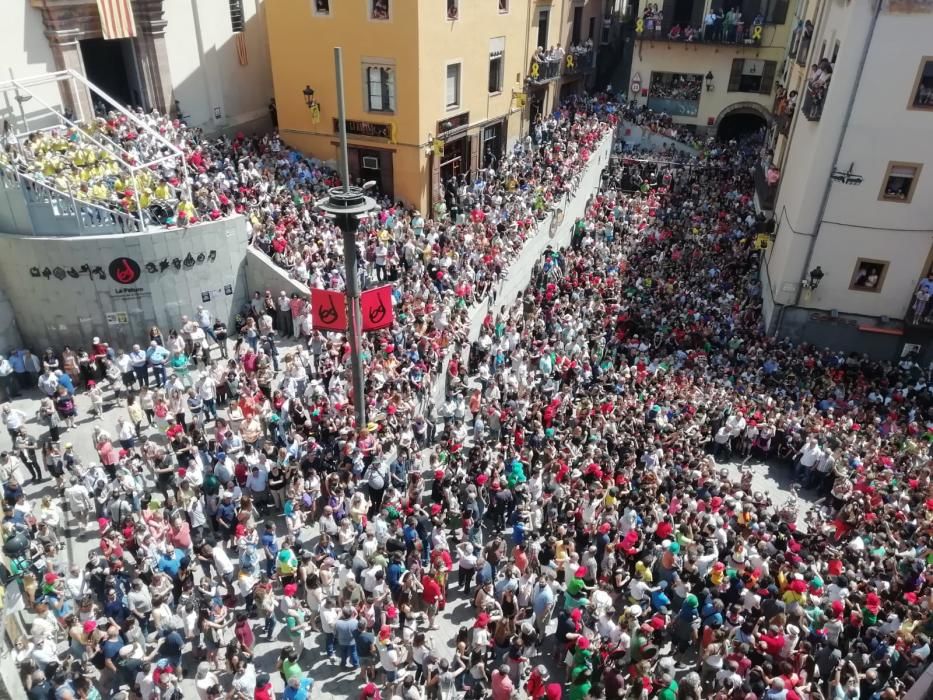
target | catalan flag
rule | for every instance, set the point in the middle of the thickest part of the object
(116, 19)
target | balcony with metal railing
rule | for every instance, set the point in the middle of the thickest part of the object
(543, 70)
(669, 32)
(813, 100)
(920, 312)
(767, 178)
(578, 60)
(803, 48)
(28, 206)
(783, 110)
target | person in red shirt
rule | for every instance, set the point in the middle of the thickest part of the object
(173, 430)
(263, 688)
(502, 686)
(431, 595)
(772, 642)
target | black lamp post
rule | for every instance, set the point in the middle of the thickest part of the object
(709, 81)
(348, 206)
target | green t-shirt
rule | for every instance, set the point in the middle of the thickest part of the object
(290, 669)
(578, 691)
(294, 619)
(668, 693)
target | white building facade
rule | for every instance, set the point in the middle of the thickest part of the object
(211, 56)
(854, 203)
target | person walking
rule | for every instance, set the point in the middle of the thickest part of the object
(345, 631)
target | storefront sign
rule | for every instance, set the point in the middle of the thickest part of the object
(124, 270)
(452, 123)
(127, 293)
(369, 129)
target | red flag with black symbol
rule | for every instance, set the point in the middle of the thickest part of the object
(376, 308)
(328, 310)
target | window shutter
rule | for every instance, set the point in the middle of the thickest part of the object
(736, 75)
(474, 153)
(388, 89)
(236, 15)
(767, 77)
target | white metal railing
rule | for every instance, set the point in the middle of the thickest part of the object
(84, 216)
(77, 83)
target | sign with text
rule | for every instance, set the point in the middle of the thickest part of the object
(328, 310)
(456, 122)
(375, 130)
(376, 308)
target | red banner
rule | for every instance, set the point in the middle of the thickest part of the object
(376, 308)
(328, 310)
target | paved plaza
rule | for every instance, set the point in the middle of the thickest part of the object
(330, 680)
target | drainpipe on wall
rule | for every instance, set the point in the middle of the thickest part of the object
(523, 86)
(838, 149)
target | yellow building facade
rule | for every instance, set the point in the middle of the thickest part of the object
(434, 88)
(709, 62)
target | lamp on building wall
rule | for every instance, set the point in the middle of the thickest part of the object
(709, 81)
(313, 105)
(308, 92)
(816, 276)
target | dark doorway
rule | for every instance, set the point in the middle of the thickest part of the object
(683, 13)
(492, 144)
(536, 104)
(739, 124)
(576, 27)
(371, 164)
(456, 159)
(110, 65)
(543, 17)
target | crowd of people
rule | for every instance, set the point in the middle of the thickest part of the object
(676, 86)
(726, 25)
(570, 493)
(660, 123)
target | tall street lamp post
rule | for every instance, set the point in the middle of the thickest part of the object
(348, 206)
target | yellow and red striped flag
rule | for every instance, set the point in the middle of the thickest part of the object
(116, 19)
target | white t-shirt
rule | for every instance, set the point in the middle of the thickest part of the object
(221, 561)
(388, 658)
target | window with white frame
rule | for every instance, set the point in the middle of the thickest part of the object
(380, 87)
(503, 6)
(496, 63)
(453, 85)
